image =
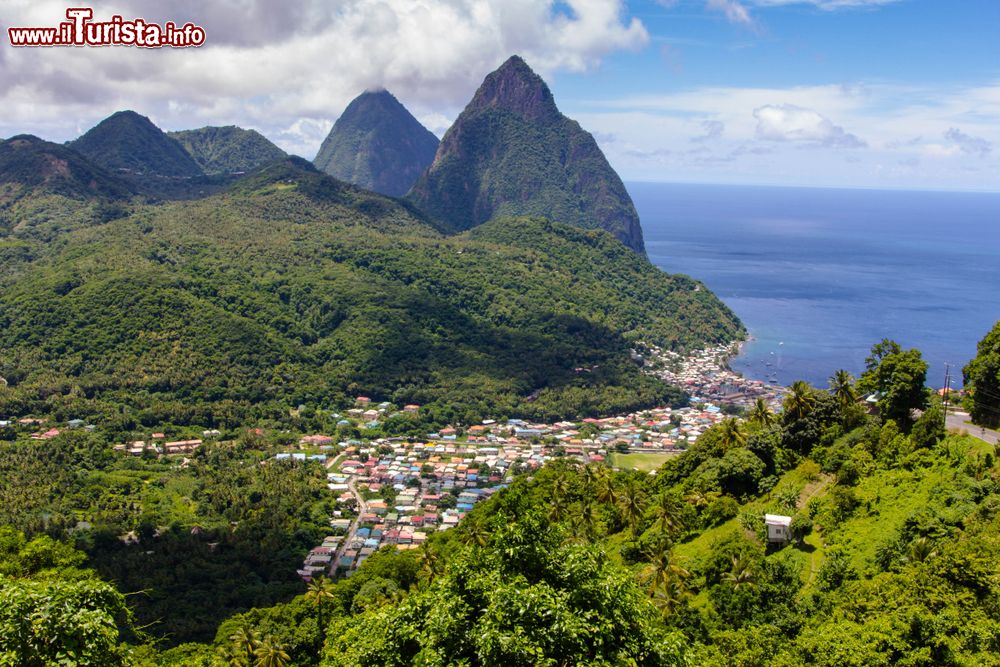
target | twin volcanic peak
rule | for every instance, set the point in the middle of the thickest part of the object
(511, 152)
(378, 145)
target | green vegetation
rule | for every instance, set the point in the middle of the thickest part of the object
(897, 378)
(891, 558)
(291, 288)
(378, 145)
(51, 611)
(511, 152)
(128, 142)
(982, 380)
(202, 540)
(225, 150)
(643, 462)
(891, 561)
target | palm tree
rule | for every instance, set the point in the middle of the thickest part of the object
(701, 498)
(732, 434)
(320, 592)
(920, 550)
(661, 572)
(560, 486)
(742, 575)
(474, 532)
(761, 414)
(671, 596)
(606, 491)
(271, 654)
(800, 400)
(231, 657)
(557, 508)
(590, 476)
(669, 514)
(430, 562)
(632, 504)
(586, 519)
(245, 643)
(842, 387)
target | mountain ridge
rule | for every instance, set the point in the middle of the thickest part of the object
(227, 149)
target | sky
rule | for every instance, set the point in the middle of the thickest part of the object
(901, 94)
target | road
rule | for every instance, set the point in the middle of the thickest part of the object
(960, 421)
(355, 524)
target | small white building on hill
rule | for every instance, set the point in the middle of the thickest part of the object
(779, 528)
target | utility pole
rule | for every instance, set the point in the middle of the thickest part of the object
(947, 392)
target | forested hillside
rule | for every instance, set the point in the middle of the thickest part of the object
(291, 287)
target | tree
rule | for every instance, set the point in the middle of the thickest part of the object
(842, 386)
(58, 622)
(632, 503)
(732, 434)
(669, 514)
(245, 644)
(898, 377)
(982, 380)
(742, 574)
(527, 598)
(661, 571)
(761, 414)
(474, 532)
(800, 401)
(929, 429)
(430, 561)
(271, 654)
(606, 491)
(320, 593)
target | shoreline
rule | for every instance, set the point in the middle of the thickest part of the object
(707, 375)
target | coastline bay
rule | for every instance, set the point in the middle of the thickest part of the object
(819, 275)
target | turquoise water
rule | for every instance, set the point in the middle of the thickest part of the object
(819, 275)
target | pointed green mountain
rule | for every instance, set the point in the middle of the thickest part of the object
(227, 150)
(511, 152)
(378, 145)
(130, 143)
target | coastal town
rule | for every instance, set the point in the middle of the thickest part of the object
(394, 492)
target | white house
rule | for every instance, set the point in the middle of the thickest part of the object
(779, 528)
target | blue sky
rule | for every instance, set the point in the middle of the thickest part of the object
(915, 82)
(853, 93)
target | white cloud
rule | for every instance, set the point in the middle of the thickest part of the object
(733, 10)
(288, 68)
(825, 4)
(905, 126)
(787, 122)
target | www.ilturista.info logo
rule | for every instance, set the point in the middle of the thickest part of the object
(81, 30)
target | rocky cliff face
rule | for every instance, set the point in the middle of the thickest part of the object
(378, 145)
(511, 152)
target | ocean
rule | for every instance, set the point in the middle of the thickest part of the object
(819, 275)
